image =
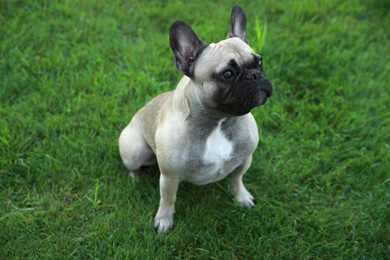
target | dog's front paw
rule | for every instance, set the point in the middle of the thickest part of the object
(163, 225)
(245, 199)
(163, 221)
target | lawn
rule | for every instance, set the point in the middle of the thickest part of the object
(74, 72)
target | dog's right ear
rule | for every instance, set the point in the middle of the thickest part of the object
(186, 47)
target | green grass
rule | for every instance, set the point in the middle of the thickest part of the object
(74, 72)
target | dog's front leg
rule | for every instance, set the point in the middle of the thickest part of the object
(163, 221)
(237, 188)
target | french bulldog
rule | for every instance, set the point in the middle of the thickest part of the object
(202, 131)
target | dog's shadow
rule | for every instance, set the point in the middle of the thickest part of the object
(188, 193)
(206, 205)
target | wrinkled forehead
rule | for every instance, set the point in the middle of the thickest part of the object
(217, 55)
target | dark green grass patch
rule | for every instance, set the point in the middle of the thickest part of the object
(74, 72)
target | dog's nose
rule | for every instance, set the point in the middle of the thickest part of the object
(254, 75)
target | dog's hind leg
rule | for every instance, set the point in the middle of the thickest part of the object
(134, 150)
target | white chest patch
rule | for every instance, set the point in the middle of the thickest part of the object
(218, 150)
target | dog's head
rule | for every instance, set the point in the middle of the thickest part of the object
(228, 74)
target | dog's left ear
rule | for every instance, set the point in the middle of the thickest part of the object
(238, 24)
(186, 46)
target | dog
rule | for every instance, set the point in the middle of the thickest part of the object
(203, 131)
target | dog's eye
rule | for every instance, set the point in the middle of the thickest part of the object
(228, 74)
(260, 65)
(259, 61)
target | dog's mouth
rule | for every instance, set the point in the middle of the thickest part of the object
(265, 91)
(256, 93)
(244, 96)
